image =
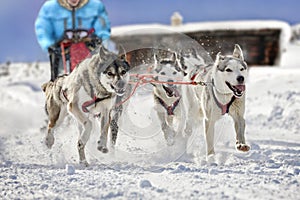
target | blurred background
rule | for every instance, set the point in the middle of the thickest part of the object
(18, 42)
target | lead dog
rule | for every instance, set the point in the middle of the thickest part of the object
(89, 91)
(224, 93)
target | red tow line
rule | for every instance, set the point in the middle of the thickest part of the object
(149, 78)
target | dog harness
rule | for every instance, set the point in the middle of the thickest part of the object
(86, 104)
(95, 100)
(224, 108)
(170, 109)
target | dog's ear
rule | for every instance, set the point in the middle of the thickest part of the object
(173, 57)
(194, 52)
(219, 57)
(122, 52)
(158, 68)
(155, 61)
(123, 57)
(237, 52)
(103, 52)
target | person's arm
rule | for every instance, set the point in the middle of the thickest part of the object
(44, 30)
(102, 24)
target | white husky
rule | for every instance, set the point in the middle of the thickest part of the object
(224, 93)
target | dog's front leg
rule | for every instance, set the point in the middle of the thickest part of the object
(116, 113)
(169, 133)
(239, 125)
(186, 110)
(49, 140)
(84, 132)
(104, 125)
(209, 136)
(191, 105)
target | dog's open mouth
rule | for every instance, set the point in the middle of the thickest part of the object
(170, 91)
(238, 90)
(119, 91)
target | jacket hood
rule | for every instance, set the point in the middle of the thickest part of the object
(64, 4)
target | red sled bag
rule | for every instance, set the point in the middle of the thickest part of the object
(78, 52)
(77, 46)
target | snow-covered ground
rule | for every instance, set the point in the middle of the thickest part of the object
(142, 166)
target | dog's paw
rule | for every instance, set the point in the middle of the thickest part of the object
(242, 147)
(102, 149)
(49, 140)
(114, 140)
(211, 160)
(170, 140)
(84, 163)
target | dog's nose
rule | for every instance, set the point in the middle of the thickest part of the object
(240, 79)
(120, 84)
(170, 82)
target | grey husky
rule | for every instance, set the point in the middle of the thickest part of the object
(90, 90)
(224, 93)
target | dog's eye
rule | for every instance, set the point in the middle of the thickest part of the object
(110, 74)
(163, 73)
(174, 73)
(228, 70)
(242, 69)
(123, 72)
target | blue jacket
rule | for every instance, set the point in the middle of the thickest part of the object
(53, 19)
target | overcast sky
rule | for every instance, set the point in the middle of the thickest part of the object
(18, 42)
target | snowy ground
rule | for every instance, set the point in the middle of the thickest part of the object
(142, 166)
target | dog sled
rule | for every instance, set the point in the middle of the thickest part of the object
(76, 45)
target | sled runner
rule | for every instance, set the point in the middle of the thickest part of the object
(72, 49)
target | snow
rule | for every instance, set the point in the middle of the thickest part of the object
(141, 166)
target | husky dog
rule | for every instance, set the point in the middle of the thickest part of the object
(224, 93)
(90, 90)
(191, 64)
(167, 95)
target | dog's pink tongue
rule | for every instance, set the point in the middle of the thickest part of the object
(240, 87)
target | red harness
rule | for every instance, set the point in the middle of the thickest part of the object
(95, 100)
(169, 108)
(224, 108)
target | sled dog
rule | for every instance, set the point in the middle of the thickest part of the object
(223, 94)
(191, 63)
(167, 96)
(90, 90)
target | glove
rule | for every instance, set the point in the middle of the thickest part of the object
(54, 49)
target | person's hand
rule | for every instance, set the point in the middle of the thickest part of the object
(54, 50)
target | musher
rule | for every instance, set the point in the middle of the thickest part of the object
(57, 16)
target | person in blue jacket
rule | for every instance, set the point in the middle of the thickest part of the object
(56, 16)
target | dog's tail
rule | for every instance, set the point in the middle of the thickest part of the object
(45, 85)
